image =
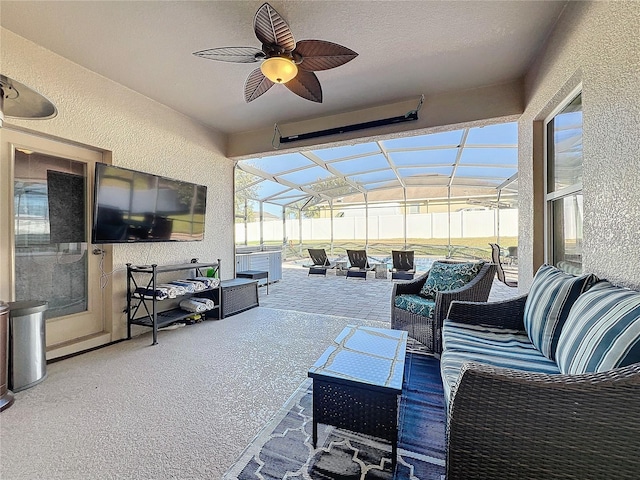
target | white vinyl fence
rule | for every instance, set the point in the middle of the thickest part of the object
(463, 224)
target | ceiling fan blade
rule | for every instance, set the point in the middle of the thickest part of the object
(255, 85)
(321, 55)
(232, 54)
(271, 29)
(306, 85)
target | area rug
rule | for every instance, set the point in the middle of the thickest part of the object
(284, 448)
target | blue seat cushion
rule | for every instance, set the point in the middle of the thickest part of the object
(415, 304)
(449, 276)
(500, 347)
(550, 299)
(602, 331)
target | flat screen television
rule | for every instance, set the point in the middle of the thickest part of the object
(132, 206)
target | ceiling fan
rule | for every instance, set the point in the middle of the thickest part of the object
(283, 60)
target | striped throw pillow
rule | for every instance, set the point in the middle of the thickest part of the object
(602, 331)
(552, 295)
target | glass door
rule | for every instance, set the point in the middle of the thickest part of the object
(49, 219)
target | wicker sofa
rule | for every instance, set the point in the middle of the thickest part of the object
(531, 401)
(426, 328)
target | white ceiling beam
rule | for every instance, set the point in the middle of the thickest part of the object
(282, 181)
(391, 163)
(321, 163)
(508, 181)
(465, 134)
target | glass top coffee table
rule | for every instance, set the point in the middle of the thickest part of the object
(357, 383)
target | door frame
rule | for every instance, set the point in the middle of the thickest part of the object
(19, 138)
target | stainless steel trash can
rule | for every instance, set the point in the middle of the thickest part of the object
(27, 357)
(6, 395)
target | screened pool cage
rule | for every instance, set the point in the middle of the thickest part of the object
(442, 195)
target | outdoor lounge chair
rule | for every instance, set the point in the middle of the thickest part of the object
(403, 265)
(320, 262)
(495, 258)
(358, 264)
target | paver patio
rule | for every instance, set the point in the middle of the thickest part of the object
(336, 295)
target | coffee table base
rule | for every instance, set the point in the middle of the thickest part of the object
(357, 409)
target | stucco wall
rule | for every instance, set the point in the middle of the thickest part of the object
(597, 44)
(139, 134)
(453, 108)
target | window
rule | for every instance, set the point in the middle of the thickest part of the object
(564, 185)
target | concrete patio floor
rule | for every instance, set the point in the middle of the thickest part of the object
(187, 407)
(368, 299)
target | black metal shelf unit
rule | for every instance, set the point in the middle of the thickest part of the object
(146, 311)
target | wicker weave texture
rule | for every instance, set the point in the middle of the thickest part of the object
(516, 425)
(419, 327)
(356, 409)
(505, 314)
(237, 298)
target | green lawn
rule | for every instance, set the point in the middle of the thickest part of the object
(460, 247)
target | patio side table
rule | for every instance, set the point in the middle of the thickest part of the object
(357, 383)
(381, 270)
(341, 268)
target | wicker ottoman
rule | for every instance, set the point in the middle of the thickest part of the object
(238, 295)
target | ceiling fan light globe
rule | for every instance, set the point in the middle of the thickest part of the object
(279, 69)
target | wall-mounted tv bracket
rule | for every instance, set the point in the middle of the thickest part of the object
(410, 116)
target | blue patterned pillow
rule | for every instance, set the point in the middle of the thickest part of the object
(449, 276)
(602, 331)
(552, 295)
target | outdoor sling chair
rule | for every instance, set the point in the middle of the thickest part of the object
(495, 258)
(358, 264)
(403, 265)
(320, 262)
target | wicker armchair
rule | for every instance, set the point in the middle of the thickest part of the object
(428, 330)
(519, 425)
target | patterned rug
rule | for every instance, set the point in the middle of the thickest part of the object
(283, 449)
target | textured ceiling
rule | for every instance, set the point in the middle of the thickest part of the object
(406, 48)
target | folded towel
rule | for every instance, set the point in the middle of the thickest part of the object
(199, 286)
(173, 290)
(189, 287)
(191, 305)
(206, 301)
(159, 293)
(204, 280)
(209, 281)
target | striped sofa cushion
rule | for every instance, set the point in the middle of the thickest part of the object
(552, 294)
(602, 331)
(491, 345)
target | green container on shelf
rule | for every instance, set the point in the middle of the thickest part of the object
(212, 272)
